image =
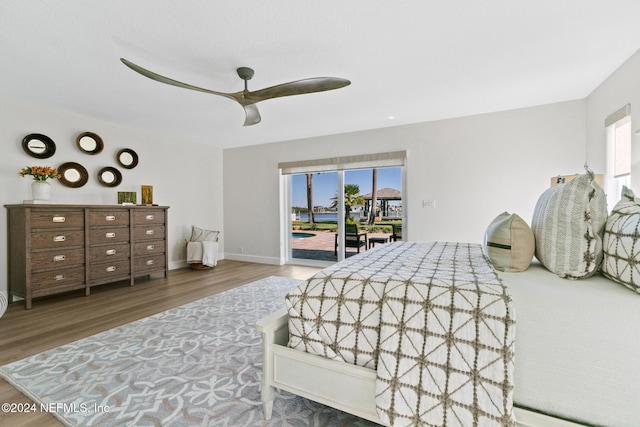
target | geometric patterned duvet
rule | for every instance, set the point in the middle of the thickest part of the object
(434, 321)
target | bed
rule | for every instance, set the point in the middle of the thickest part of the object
(576, 350)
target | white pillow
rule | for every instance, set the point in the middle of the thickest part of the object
(622, 242)
(509, 243)
(568, 224)
(200, 235)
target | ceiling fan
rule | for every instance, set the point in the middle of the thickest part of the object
(246, 98)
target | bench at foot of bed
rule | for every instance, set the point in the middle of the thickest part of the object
(346, 387)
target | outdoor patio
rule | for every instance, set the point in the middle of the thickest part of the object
(321, 246)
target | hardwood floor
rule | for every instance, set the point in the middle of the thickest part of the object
(57, 320)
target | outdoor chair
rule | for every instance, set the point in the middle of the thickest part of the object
(397, 232)
(354, 238)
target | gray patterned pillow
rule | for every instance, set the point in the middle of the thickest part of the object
(622, 242)
(568, 224)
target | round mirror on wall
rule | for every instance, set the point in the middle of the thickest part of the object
(38, 146)
(73, 175)
(127, 158)
(89, 143)
(109, 176)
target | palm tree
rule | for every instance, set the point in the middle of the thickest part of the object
(310, 197)
(374, 196)
(352, 198)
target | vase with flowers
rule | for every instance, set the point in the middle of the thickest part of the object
(40, 188)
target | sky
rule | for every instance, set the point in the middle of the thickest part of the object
(325, 184)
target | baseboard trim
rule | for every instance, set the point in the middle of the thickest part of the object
(253, 258)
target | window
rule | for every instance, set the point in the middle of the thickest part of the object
(618, 127)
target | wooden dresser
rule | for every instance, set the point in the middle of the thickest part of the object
(59, 248)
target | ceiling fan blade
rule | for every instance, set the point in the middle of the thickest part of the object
(247, 99)
(162, 79)
(298, 87)
(252, 115)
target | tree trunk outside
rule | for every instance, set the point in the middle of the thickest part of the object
(374, 196)
(310, 197)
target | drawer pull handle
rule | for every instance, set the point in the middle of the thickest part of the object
(111, 251)
(58, 219)
(149, 232)
(59, 258)
(149, 217)
(110, 235)
(110, 218)
(111, 269)
(150, 247)
(59, 277)
(59, 238)
(150, 262)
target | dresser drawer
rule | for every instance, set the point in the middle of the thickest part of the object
(58, 278)
(105, 217)
(56, 219)
(60, 258)
(105, 253)
(149, 248)
(98, 236)
(148, 263)
(57, 239)
(148, 216)
(151, 232)
(114, 269)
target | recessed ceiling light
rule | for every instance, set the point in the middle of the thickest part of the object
(391, 117)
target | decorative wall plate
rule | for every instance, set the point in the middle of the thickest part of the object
(89, 143)
(127, 158)
(72, 174)
(109, 176)
(38, 146)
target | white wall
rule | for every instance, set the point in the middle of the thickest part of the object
(619, 89)
(473, 167)
(185, 176)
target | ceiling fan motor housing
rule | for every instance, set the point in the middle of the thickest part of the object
(245, 73)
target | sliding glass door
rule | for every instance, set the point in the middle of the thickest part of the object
(314, 218)
(368, 211)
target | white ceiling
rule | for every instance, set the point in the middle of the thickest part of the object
(415, 60)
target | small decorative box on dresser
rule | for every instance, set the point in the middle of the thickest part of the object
(59, 248)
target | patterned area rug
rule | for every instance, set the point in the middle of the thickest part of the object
(199, 364)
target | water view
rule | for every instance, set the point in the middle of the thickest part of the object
(325, 216)
(332, 216)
